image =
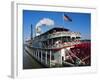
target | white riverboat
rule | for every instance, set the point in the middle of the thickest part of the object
(59, 47)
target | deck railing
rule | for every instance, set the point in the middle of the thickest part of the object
(66, 44)
(58, 34)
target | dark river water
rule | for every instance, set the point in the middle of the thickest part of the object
(29, 62)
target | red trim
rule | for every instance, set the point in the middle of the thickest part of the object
(81, 45)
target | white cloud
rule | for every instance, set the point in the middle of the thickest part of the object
(45, 21)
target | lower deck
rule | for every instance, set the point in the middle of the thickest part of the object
(79, 55)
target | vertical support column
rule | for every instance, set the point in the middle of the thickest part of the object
(33, 52)
(61, 54)
(46, 57)
(41, 55)
(50, 58)
(52, 42)
(38, 54)
(48, 44)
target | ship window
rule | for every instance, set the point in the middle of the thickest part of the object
(52, 57)
(62, 58)
(35, 52)
(43, 54)
(40, 54)
(69, 39)
(77, 37)
(48, 56)
(73, 38)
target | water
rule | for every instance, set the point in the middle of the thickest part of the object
(29, 62)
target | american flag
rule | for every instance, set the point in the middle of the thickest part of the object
(67, 18)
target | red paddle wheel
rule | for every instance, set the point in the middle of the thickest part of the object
(80, 54)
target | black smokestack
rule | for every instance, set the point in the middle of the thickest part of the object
(31, 32)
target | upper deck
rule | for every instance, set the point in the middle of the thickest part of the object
(57, 33)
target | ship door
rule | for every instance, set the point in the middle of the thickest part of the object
(62, 58)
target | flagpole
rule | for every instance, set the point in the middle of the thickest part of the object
(62, 26)
(31, 32)
(63, 19)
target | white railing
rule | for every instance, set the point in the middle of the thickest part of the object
(58, 34)
(67, 44)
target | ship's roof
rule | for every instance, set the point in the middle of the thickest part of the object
(55, 29)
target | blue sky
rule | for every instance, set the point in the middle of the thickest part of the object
(81, 22)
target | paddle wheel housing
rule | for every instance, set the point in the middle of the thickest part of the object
(80, 54)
